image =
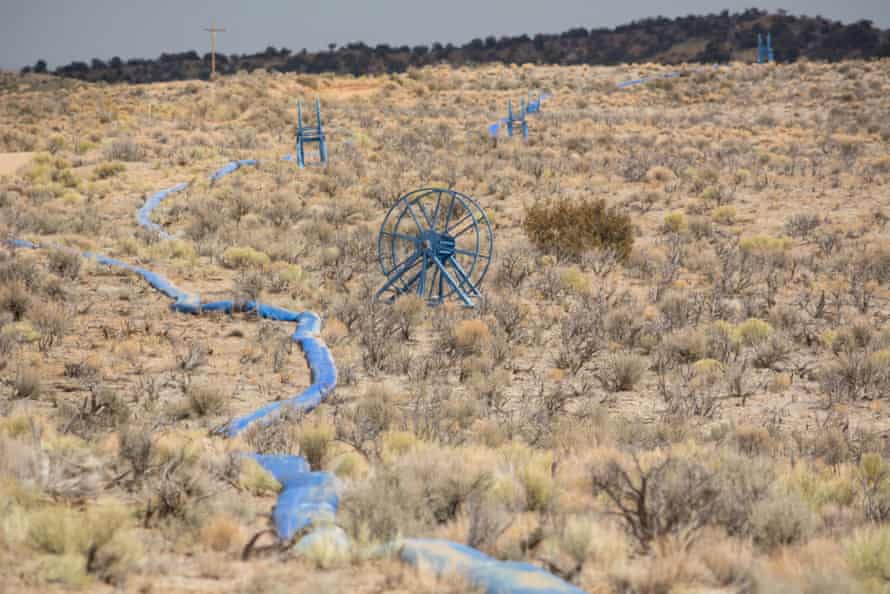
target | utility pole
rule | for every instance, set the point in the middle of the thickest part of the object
(213, 30)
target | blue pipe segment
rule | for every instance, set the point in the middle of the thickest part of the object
(143, 215)
(310, 499)
(307, 498)
(645, 79)
(496, 577)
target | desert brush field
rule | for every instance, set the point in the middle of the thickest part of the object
(676, 382)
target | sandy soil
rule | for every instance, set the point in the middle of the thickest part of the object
(12, 162)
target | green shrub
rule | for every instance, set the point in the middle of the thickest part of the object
(256, 479)
(868, 554)
(622, 371)
(781, 520)
(568, 228)
(245, 257)
(315, 442)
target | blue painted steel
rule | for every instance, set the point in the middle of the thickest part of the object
(426, 249)
(533, 106)
(765, 52)
(513, 120)
(310, 134)
(310, 499)
(495, 577)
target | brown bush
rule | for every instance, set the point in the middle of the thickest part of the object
(64, 264)
(622, 371)
(669, 497)
(470, 337)
(220, 533)
(15, 300)
(27, 383)
(52, 322)
(124, 149)
(568, 228)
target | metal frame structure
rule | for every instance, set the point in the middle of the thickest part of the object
(534, 105)
(512, 120)
(310, 134)
(765, 50)
(435, 243)
(527, 106)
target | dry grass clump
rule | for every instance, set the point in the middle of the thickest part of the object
(108, 170)
(15, 300)
(74, 544)
(125, 149)
(206, 401)
(622, 371)
(470, 337)
(315, 441)
(27, 383)
(65, 264)
(256, 479)
(221, 533)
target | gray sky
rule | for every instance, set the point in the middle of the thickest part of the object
(61, 31)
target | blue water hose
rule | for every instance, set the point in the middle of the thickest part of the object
(310, 499)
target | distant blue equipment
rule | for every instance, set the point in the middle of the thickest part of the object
(310, 134)
(514, 120)
(765, 50)
(434, 243)
(534, 105)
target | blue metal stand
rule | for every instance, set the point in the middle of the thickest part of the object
(513, 120)
(310, 134)
(765, 50)
(532, 106)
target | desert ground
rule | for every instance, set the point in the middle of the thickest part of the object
(701, 412)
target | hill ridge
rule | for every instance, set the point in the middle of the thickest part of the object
(694, 38)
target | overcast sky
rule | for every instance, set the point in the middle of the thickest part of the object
(61, 31)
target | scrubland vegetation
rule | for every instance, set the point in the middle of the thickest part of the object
(676, 382)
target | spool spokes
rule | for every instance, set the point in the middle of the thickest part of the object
(435, 243)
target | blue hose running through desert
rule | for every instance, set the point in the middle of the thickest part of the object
(639, 81)
(309, 500)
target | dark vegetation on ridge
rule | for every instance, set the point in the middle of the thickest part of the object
(709, 38)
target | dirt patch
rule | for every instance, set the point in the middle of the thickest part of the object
(12, 162)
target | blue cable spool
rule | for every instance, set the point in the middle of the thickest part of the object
(435, 243)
